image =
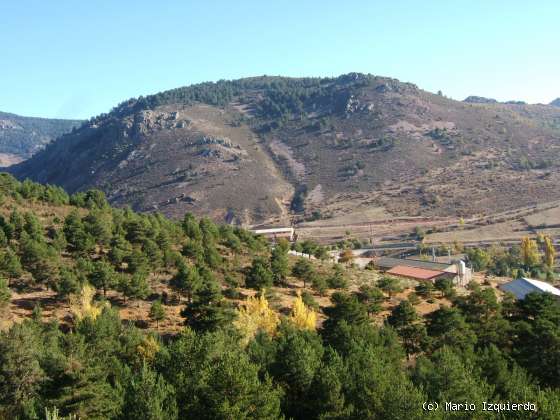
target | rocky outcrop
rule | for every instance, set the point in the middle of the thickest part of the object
(480, 100)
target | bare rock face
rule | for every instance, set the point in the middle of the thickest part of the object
(354, 105)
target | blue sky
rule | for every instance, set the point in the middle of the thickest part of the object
(75, 59)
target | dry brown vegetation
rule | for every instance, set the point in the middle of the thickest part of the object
(137, 310)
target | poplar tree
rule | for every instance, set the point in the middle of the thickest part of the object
(549, 252)
(529, 252)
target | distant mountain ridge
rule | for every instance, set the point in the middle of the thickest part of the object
(23, 136)
(265, 149)
(556, 102)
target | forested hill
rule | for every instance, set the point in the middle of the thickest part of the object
(24, 136)
(91, 297)
(250, 150)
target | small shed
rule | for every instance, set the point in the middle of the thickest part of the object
(523, 286)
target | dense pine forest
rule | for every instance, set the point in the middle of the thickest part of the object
(237, 356)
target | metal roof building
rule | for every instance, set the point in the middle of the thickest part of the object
(523, 286)
(416, 273)
(461, 274)
(386, 263)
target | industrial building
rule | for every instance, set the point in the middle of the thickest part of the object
(424, 270)
(523, 286)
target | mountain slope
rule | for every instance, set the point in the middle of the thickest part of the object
(23, 136)
(241, 150)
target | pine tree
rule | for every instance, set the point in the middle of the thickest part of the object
(17, 223)
(425, 289)
(87, 391)
(402, 315)
(132, 286)
(40, 259)
(303, 270)
(187, 280)
(389, 285)
(212, 257)
(68, 283)
(319, 284)
(259, 276)
(149, 397)
(33, 227)
(279, 263)
(297, 363)
(138, 287)
(10, 264)
(5, 293)
(337, 280)
(157, 312)
(119, 251)
(78, 239)
(403, 319)
(103, 276)
(99, 224)
(345, 309)
(222, 382)
(371, 297)
(191, 227)
(445, 377)
(327, 397)
(58, 240)
(445, 286)
(447, 327)
(137, 262)
(208, 311)
(21, 374)
(153, 254)
(37, 313)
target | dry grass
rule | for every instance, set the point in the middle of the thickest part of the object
(137, 311)
(544, 218)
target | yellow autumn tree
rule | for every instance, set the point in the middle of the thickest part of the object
(302, 316)
(83, 306)
(549, 252)
(148, 349)
(529, 252)
(256, 315)
(347, 256)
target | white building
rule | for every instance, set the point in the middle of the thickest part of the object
(274, 234)
(521, 287)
